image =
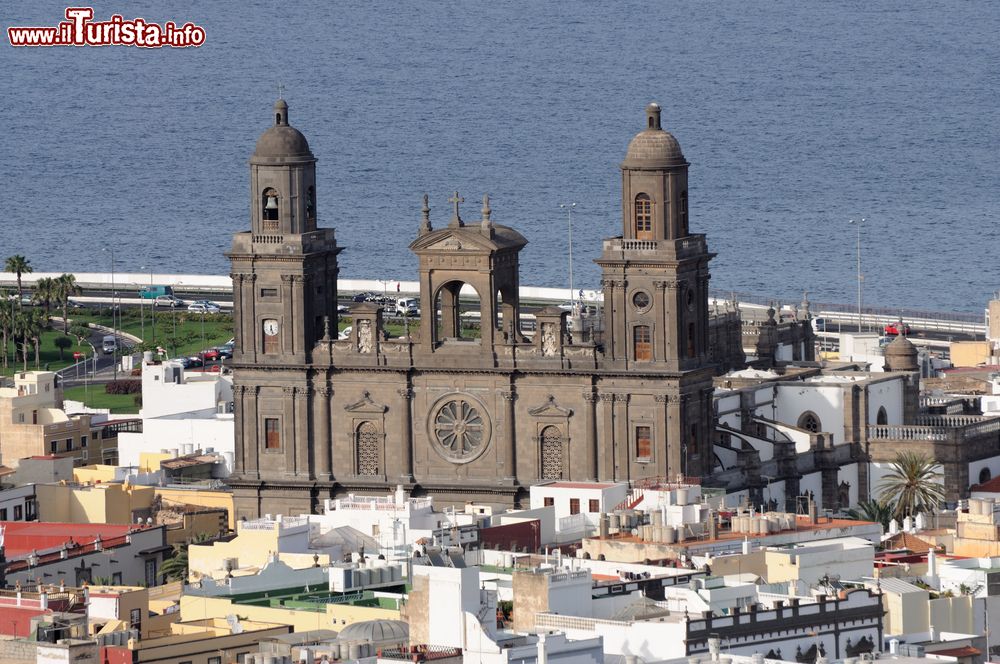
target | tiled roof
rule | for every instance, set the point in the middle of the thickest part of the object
(23, 537)
(993, 486)
(908, 542)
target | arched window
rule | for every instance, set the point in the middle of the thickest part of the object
(269, 209)
(882, 417)
(692, 351)
(985, 475)
(810, 422)
(642, 343)
(366, 444)
(683, 225)
(551, 454)
(643, 217)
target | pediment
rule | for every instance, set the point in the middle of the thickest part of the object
(550, 409)
(465, 238)
(366, 405)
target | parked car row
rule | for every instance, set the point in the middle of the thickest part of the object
(214, 354)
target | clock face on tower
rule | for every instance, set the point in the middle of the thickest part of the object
(271, 327)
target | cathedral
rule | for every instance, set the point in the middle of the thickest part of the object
(460, 416)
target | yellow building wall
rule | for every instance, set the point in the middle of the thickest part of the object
(150, 461)
(969, 353)
(223, 499)
(106, 503)
(335, 617)
(94, 473)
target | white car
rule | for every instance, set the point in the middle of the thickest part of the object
(204, 308)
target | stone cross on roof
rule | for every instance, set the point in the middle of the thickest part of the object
(456, 218)
(487, 223)
(281, 90)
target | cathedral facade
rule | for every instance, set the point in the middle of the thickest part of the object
(460, 416)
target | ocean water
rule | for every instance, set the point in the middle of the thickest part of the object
(795, 116)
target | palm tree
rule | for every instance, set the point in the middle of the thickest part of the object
(19, 265)
(66, 287)
(45, 293)
(872, 510)
(6, 330)
(176, 567)
(22, 334)
(39, 321)
(912, 485)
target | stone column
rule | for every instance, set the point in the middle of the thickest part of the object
(677, 453)
(323, 444)
(593, 450)
(660, 343)
(607, 465)
(406, 434)
(304, 464)
(237, 308)
(251, 443)
(672, 322)
(665, 462)
(300, 322)
(248, 318)
(239, 462)
(510, 437)
(623, 463)
(288, 430)
(288, 323)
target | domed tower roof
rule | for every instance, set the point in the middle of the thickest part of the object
(653, 147)
(901, 355)
(282, 141)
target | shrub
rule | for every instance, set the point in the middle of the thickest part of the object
(124, 387)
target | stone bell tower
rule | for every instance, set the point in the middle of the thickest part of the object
(655, 281)
(655, 275)
(284, 272)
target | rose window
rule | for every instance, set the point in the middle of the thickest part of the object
(460, 429)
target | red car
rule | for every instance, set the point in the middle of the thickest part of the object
(892, 329)
(210, 354)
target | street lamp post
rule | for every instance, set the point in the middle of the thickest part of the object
(114, 299)
(858, 223)
(569, 226)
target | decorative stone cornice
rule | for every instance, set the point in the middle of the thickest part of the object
(405, 393)
(289, 390)
(622, 398)
(324, 391)
(607, 398)
(508, 395)
(590, 397)
(287, 278)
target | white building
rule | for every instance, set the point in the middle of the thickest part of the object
(183, 413)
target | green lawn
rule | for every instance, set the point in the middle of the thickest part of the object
(95, 397)
(48, 355)
(179, 332)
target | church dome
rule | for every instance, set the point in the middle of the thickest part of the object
(281, 140)
(376, 631)
(901, 355)
(653, 147)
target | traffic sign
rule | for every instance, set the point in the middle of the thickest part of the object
(78, 355)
